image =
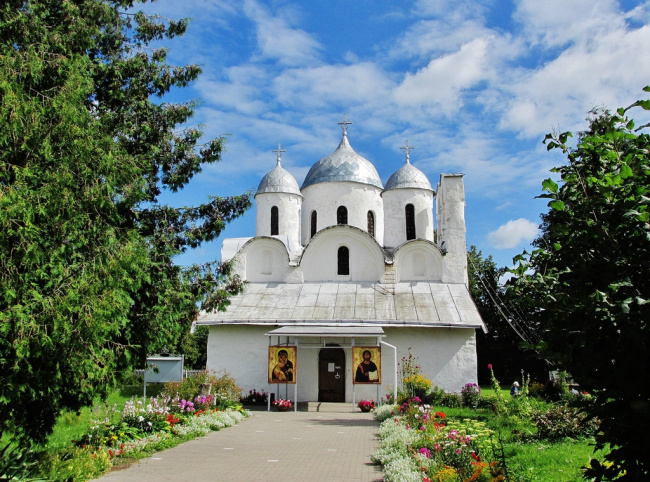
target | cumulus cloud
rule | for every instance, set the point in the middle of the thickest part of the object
(513, 233)
(441, 82)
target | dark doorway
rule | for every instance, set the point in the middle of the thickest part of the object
(331, 375)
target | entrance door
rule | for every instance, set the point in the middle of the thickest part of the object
(331, 375)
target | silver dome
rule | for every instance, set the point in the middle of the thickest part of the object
(408, 176)
(278, 180)
(343, 165)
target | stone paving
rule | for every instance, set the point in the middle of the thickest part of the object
(286, 446)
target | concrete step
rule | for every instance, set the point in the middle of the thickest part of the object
(329, 407)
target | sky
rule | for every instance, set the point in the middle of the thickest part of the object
(474, 86)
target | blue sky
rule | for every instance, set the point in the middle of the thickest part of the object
(473, 85)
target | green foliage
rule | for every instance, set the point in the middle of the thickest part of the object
(87, 282)
(500, 345)
(562, 421)
(76, 463)
(223, 386)
(587, 285)
(471, 395)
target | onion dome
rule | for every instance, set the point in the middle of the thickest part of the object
(343, 165)
(278, 180)
(408, 176)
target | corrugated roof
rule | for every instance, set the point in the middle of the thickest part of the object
(418, 303)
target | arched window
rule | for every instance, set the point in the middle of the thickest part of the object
(343, 261)
(410, 221)
(371, 224)
(342, 215)
(274, 221)
(313, 223)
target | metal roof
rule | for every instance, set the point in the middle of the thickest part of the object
(408, 176)
(421, 303)
(323, 331)
(344, 164)
(278, 180)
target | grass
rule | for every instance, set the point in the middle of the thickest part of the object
(71, 426)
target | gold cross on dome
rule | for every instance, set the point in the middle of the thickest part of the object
(407, 148)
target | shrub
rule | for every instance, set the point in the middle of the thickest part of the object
(255, 398)
(384, 412)
(471, 395)
(452, 400)
(562, 421)
(416, 384)
(223, 386)
(436, 396)
(77, 463)
(537, 390)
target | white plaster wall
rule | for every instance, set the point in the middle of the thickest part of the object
(289, 206)
(408, 267)
(263, 260)
(242, 351)
(447, 356)
(395, 202)
(326, 197)
(319, 260)
(451, 227)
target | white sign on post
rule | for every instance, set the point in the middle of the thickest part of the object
(163, 369)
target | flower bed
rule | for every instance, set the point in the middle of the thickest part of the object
(422, 445)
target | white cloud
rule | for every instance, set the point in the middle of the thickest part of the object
(279, 40)
(513, 233)
(440, 83)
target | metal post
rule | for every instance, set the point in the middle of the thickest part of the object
(395, 363)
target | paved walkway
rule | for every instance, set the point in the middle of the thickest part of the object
(289, 446)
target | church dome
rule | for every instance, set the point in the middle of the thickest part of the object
(343, 165)
(408, 176)
(278, 180)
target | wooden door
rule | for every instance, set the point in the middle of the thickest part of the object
(331, 375)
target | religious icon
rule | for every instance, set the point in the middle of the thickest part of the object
(282, 364)
(366, 361)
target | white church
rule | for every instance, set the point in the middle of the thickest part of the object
(345, 265)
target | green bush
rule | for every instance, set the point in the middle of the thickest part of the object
(76, 463)
(562, 421)
(471, 395)
(223, 386)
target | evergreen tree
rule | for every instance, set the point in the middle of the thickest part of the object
(87, 281)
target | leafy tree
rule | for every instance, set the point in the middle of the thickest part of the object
(500, 345)
(588, 282)
(87, 281)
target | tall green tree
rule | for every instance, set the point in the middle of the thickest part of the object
(87, 145)
(500, 346)
(588, 282)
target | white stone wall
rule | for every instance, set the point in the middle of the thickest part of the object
(263, 260)
(325, 198)
(289, 206)
(447, 357)
(418, 260)
(450, 206)
(319, 260)
(395, 202)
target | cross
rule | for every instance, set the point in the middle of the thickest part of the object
(279, 151)
(344, 124)
(407, 148)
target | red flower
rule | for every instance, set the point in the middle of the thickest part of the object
(489, 366)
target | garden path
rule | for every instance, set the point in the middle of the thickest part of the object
(290, 446)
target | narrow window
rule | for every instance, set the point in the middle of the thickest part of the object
(410, 221)
(342, 215)
(371, 224)
(343, 261)
(313, 223)
(274, 221)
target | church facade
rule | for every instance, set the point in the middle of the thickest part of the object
(345, 268)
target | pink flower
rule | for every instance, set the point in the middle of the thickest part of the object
(489, 366)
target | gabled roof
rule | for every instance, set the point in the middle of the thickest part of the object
(414, 304)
